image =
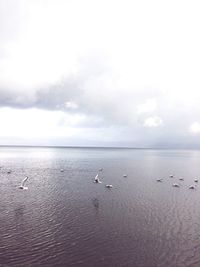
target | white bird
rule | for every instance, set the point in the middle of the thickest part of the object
(23, 183)
(196, 180)
(192, 187)
(176, 185)
(125, 175)
(96, 179)
(159, 180)
(108, 186)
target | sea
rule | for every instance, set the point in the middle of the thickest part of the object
(64, 219)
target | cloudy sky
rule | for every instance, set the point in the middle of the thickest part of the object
(100, 73)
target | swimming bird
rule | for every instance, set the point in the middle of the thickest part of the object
(9, 171)
(181, 179)
(196, 180)
(192, 187)
(23, 183)
(125, 175)
(176, 185)
(108, 186)
(61, 170)
(96, 179)
(171, 176)
(159, 180)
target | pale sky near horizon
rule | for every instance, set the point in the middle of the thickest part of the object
(100, 73)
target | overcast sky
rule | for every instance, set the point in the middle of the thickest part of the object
(100, 73)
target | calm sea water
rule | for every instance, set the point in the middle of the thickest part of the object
(64, 219)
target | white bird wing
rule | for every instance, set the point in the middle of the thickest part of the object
(23, 181)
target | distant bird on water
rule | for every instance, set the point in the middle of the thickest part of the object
(125, 175)
(176, 185)
(196, 180)
(23, 183)
(192, 187)
(108, 186)
(171, 176)
(181, 179)
(159, 180)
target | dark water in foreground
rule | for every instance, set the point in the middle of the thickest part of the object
(64, 219)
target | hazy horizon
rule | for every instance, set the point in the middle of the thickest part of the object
(100, 147)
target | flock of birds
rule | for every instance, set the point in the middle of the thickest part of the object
(180, 179)
(97, 180)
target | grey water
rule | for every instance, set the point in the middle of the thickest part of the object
(65, 219)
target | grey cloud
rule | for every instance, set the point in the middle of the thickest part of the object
(104, 101)
(94, 89)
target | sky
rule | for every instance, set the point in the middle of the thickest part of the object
(100, 73)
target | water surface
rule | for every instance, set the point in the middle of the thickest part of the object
(64, 219)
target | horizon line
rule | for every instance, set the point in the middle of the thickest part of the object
(101, 147)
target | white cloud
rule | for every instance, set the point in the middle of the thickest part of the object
(195, 128)
(34, 123)
(35, 126)
(153, 122)
(71, 105)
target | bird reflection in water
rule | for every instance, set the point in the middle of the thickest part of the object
(95, 203)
